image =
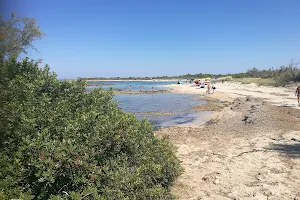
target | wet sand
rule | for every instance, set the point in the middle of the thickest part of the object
(248, 149)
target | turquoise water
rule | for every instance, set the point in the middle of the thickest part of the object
(165, 102)
(135, 85)
(194, 119)
(179, 107)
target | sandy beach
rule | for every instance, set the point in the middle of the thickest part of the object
(248, 149)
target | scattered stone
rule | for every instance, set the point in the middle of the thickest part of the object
(294, 139)
(245, 118)
(217, 180)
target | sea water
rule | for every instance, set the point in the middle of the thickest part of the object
(132, 85)
(163, 102)
(162, 109)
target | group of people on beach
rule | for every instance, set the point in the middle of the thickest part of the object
(212, 88)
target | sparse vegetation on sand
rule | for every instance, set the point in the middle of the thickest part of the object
(258, 81)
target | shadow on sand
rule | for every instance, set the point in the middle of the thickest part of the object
(292, 150)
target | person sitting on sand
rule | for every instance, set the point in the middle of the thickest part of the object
(297, 93)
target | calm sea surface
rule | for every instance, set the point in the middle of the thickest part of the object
(155, 107)
(132, 85)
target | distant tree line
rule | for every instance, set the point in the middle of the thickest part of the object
(186, 76)
(282, 75)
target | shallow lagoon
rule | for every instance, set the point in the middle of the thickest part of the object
(177, 107)
(162, 109)
(135, 85)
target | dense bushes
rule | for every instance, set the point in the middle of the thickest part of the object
(282, 76)
(58, 141)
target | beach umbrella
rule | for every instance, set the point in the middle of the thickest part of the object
(207, 82)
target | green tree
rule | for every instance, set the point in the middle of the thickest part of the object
(17, 34)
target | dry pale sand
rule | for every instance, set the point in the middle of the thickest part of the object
(228, 91)
(249, 150)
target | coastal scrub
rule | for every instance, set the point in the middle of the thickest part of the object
(58, 141)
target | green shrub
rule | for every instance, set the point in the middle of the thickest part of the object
(277, 77)
(59, 141)
(283, 79)
(287, 75)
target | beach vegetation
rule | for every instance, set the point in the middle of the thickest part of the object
(258, 81)
(17, 35)
(225, 78)
(281, 76)
(60, 142)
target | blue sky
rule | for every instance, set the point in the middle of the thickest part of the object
(110, 38)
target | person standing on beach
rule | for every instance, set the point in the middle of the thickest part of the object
(213, 88)
(297, 93)
(208, 89)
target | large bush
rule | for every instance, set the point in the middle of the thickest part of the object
(288, 75)
(58, 141)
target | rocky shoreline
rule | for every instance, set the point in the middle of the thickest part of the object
(213, 104)
(249, 149)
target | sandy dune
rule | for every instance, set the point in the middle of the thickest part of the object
(249, 150)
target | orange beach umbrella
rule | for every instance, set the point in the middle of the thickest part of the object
(207, 82)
